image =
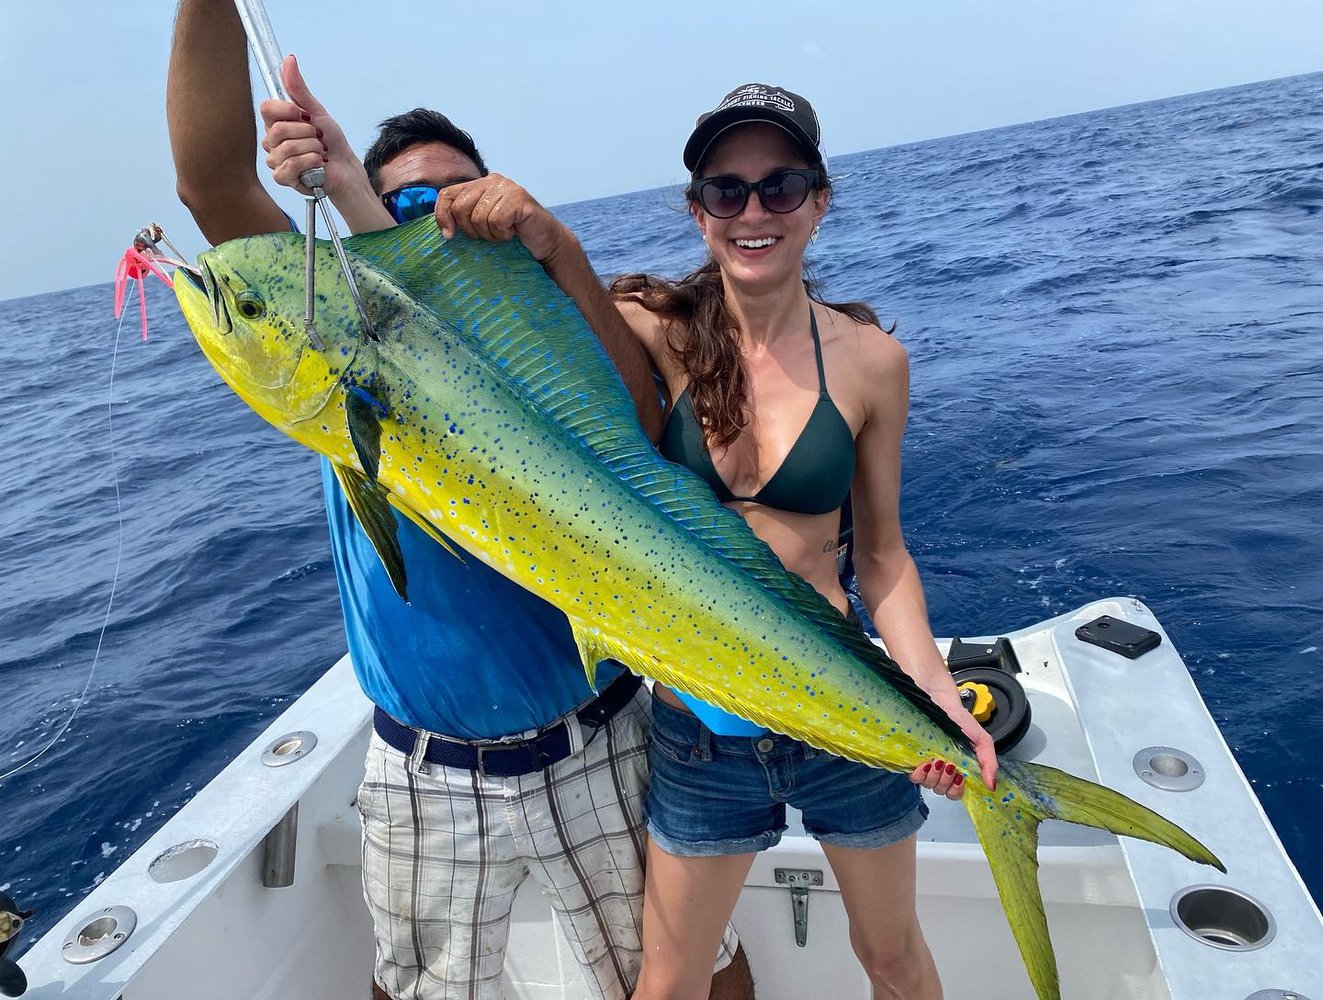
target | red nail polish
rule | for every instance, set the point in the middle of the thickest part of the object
(950, 769)
(927, 767)
(325, 148)
(320, 134)
(305, 116)
(326, 159)
(960, 779)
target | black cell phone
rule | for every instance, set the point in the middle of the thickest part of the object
(1118, 636)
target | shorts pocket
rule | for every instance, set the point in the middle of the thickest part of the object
(680, 751)
(370, 788)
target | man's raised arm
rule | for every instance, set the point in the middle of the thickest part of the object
(213, 135)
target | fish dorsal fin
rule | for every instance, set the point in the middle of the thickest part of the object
(536, 336)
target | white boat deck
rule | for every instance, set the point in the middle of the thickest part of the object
(216, 931)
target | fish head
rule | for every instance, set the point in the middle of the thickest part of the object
(247, 308)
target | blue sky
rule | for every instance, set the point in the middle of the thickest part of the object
(584, 100)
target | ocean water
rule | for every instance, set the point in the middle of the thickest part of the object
(1115, 328)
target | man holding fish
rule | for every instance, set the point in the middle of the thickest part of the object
(537, 774)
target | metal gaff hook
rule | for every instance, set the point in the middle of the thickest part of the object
(262, 40)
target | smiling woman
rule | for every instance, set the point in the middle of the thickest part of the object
(786, 405)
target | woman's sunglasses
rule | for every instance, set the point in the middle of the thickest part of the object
(410, 202)
(782, 192)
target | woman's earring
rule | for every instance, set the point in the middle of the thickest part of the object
(813, 236)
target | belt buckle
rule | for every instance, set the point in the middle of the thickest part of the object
(573, 733)
(482, 768)
(481, 747)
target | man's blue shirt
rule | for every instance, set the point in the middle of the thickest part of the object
(472, 655)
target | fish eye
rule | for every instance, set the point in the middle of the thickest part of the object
(249, 304)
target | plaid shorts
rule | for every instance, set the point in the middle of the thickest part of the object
(444, 852)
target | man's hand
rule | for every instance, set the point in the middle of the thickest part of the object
(301, 135)
(496, 209)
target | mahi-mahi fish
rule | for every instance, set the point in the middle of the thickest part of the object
(483, 408)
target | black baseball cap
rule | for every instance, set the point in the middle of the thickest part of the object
(756, 102)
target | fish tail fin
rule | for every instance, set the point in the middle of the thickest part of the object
(1058, 795)
(1009, 835)
(1007, 820)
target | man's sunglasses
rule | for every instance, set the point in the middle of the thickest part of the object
(410, 202)
(782, 192)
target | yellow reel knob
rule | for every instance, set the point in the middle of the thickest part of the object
(983, 702)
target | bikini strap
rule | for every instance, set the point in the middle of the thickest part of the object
(817, 354)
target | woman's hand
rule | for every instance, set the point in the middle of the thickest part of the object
(301, 135)
(941, 776)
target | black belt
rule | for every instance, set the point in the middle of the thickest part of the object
(508, 758)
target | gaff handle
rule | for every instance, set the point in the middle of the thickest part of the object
(262, 39)
(267, 52)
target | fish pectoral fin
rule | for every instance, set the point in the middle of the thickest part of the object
(361, 411)
(428, 528)
(370, 504)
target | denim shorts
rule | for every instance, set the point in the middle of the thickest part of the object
(713, 795)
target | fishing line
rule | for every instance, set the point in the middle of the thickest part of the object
(119, 551)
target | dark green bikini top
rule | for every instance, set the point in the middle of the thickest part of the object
(815, 476)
